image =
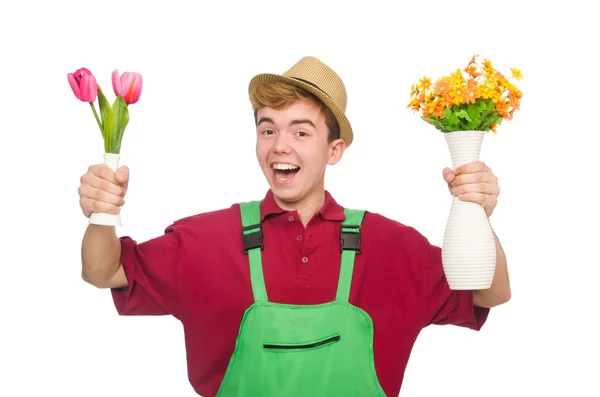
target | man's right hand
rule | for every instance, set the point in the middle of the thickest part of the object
(102, 190)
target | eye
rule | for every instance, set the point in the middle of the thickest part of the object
(268, 132)
(302, 133)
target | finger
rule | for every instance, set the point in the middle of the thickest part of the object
(475, 166)
(89, 206)
(481, 188)
(94, 194)
(486, 200)
(100, 183)
(478, 177)
(103, 171)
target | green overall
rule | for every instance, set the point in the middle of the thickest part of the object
(302, 350)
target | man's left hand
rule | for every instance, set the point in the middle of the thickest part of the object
(474, 182)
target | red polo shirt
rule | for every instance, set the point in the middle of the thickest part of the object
(197, 272)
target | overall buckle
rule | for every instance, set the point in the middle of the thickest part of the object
(350, 239)
(254, 239)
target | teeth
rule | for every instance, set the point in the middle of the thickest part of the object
(285, 167)
(281, 178)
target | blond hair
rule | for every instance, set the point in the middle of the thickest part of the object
(278, 95)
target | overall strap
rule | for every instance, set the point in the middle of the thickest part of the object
(252, 239)
(350, 246)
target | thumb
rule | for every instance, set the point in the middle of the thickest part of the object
(122, 174)
(448, 174)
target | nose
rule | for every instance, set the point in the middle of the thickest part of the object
(282, 144)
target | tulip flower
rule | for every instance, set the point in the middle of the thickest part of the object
(83, 84)
(113, 119)
(129, 86)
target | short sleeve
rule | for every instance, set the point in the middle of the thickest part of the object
(446, 306)
(151, 268)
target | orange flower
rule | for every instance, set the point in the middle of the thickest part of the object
(513, 101)
(502, 108)
(439, 109)
(472, 61)
(442, 87)
(480, 89)
(457, 78)
(472, 71)
(470, 94)
(414, 90)
(516, 73)
(487, 66)
(425, 83)
(457, 95)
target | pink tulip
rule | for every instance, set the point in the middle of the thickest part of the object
(129, 86)
(83, 84)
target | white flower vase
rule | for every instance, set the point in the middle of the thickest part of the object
(468, 248)
(101, 218)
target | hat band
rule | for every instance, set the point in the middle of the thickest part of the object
(311, 84)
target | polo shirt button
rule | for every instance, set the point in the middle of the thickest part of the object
(291, 218)
(304, 259)
(299, 238)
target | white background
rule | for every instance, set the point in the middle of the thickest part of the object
(193, 130)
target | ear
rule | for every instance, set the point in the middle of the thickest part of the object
(336, 151)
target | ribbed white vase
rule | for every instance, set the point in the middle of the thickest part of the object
(468, 247)
(101, 218)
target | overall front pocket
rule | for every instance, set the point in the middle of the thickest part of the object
(303, 345)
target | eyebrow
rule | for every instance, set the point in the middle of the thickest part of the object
(293, 122)
(303, 121)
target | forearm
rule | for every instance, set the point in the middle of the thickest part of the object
(499, 292)
(100, 255)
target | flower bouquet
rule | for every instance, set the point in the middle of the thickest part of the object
(464, 106)
(113, 118)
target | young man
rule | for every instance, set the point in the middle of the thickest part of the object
(293, 295)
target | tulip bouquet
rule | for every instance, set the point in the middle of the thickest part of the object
(113, 118)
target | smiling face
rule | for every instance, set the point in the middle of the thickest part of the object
(293, 151)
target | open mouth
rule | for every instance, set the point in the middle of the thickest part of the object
(284, 172)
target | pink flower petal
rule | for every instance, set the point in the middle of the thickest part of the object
(138, 88)
(88, 88)
(74, 85)
(116, 82)
(135, 90)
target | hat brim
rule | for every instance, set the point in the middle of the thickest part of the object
(345, 128)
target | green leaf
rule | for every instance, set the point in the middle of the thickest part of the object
(491, 119)
(463, 114)
(451, 118)
(117, 120)
(489, 115)
(122, 127)
(474, 111)
(104, 106)
(97, 119)
(478, 116)
(436, 123)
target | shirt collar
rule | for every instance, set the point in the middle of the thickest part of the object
(330, 210)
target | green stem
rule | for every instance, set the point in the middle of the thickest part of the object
(97, 119)
(484, 116)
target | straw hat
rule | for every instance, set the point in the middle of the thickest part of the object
(314, 76)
